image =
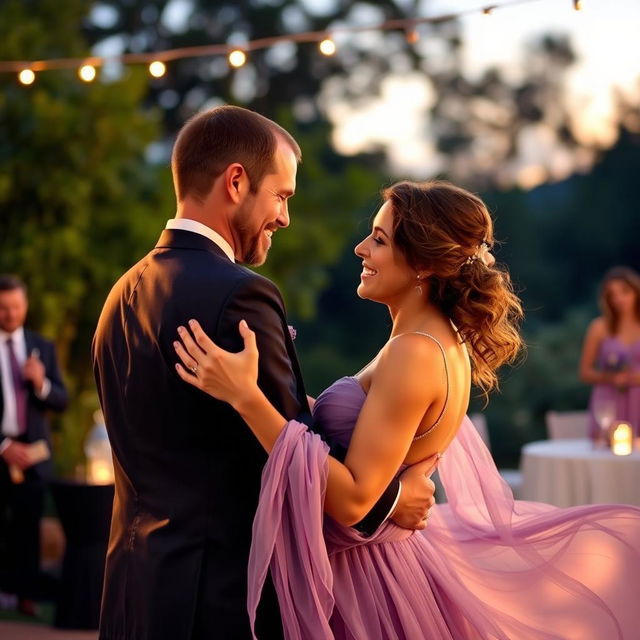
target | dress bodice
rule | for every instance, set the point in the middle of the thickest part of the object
(337, 408)
(615, 355)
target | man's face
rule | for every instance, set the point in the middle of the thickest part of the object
(13, 309)
(267, 210)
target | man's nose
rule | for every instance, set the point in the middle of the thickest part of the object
(283, 219)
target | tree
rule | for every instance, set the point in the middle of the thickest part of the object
(78, 202)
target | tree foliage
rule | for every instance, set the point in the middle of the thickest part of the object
(78, 202)
(480, 126)
(81, 200)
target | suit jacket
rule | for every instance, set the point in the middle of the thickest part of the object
(187, 467)
(37, 409)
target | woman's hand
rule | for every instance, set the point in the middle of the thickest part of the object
(621, 380)
(231, 377)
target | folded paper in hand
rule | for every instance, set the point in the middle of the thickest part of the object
(37, 451)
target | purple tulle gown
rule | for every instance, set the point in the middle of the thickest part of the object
(624, 404)
(486, 567)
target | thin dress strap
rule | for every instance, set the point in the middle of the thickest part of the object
(446, 372)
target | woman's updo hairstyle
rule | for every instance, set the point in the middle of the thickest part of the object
(448, 232)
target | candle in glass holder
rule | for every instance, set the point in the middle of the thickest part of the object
(622, 439)
(100, 472)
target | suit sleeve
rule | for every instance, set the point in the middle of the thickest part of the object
(258, 301)
(57, 399)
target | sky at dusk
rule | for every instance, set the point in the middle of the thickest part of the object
(604, 35)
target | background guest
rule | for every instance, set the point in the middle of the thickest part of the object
(611, 353)
(30, 385)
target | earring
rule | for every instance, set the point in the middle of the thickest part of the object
(418, 287)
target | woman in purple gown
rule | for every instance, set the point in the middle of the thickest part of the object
(486, 567)
(611, 354)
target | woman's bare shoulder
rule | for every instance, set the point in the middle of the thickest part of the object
(598, 328)
(405, 360)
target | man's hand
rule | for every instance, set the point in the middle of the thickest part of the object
(417, 495)
(34, 371)
(16, 454)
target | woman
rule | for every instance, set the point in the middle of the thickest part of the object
(611, 354)
(486, 567)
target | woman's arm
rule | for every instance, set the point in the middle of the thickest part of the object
(588, 372)
(395, 405)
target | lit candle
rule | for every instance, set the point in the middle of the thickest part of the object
(100, 472)
(622, 439)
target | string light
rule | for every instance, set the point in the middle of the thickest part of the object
(412, 35)
(327, 47)
(26, 76)
(87, 72)
(157, 69)
(237, 58)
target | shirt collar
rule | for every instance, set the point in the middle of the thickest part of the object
(17, 336)
(185, 224)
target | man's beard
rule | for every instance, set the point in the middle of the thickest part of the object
(251, 252)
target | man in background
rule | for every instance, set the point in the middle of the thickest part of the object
(30, 386)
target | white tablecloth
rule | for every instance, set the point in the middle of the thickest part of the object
(571, 472)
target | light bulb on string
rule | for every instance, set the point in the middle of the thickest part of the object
(237, 58)
(412, 35)
(327, 47)
(577, 5)
(157, 69)
(27, 76)
(87, 72)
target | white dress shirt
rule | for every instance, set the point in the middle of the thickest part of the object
(9, 414)
(185, 224)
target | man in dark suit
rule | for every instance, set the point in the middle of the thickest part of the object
(187, 468)
(30, 386)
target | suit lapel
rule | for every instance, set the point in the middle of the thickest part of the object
(29, 341)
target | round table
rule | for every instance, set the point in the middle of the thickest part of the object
(572, 472)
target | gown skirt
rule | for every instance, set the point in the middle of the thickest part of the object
(486, 567)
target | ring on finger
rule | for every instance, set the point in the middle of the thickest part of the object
(194, 369)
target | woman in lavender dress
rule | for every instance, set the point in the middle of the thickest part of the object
(611, 354)
(486, 567)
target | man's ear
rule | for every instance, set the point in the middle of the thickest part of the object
(236, 182)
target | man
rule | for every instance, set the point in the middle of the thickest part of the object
(187, 467)
(30, 386)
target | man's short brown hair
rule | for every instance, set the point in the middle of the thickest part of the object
(9, 282)
(212, 140)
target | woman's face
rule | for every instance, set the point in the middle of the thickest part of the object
(621, 296)
(386, 276)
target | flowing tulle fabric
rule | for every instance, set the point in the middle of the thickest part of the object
(486, 567)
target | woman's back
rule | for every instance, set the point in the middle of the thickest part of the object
(451, 379)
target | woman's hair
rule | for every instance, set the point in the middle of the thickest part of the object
(631, 279)
(441, 229)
